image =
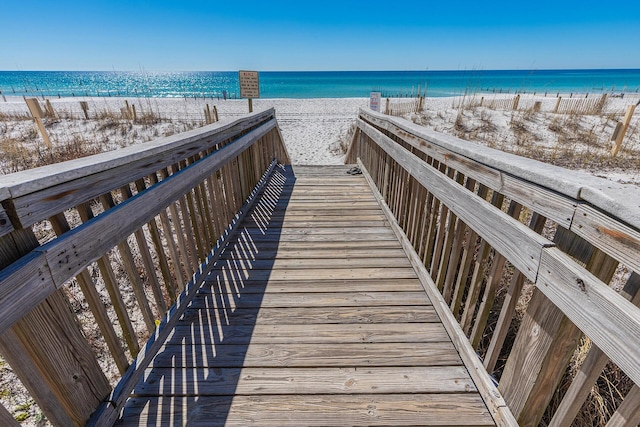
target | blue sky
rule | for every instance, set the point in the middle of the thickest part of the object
(325, 35)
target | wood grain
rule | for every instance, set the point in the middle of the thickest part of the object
(611, 321)
(297, 381)
(324, 410)
(309, 355)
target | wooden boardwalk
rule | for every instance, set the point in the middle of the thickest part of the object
(313, 316)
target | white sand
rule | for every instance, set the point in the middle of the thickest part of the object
(313, 128)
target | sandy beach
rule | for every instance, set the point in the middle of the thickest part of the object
(314, 129)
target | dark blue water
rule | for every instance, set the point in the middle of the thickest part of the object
(337, 84)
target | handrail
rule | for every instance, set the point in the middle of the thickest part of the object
(469, 212)
(166, 207)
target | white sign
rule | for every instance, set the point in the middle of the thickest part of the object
(374, 101)
(249, 84)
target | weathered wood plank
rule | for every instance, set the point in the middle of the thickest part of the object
(329, 274)
(286, 264)
(306, 231)
(308, 355)
(25, 283)
(352, 223)
(311, 284)
(338, 242)
(539, 199)
(322, 299)
(464, 409)
(305, 334)
(609, 235)
(607, 318)
(628, 414)
(314, 315)
(265, 381)
(311, 216)
(65, 367)
(337, 236)
(319, 253)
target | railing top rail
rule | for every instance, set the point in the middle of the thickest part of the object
(32, 180)
(38, 193)
(617, 200)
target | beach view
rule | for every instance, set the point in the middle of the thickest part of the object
(346, 214)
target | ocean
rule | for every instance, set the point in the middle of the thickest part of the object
(320, 84)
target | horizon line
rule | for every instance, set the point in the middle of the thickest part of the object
(325, 71)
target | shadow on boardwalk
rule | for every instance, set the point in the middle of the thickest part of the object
(205, 354)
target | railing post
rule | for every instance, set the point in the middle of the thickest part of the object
(49, 353)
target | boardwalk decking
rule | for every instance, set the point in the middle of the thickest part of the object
(313, 316)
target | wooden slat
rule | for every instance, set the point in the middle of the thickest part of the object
(305, 263)
(111, 284)
(337, 242)
(308, 355)
(309, 285)
(316, 380)
(314, 315)
(6, 419)
(628, 414)
(508, 307)
(318, 334)
(147, 260)
(328, 274)
(325, 299)
(284, 253)
(494, 279)
(324, 410)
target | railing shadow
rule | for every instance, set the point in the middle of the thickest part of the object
(205, 353)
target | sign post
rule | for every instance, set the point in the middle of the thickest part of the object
(249, 86)
(374, 101)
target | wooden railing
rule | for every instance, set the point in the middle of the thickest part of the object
(404, 107)
(487, 230)
(150, 218)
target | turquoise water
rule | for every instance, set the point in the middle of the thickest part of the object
(337, 84)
